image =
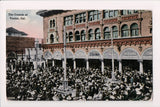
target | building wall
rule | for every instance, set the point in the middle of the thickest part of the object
(143, 19)
(139, 43)
(18, 44)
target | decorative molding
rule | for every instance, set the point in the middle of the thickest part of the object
(102, 43)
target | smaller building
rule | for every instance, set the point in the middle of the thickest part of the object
(14, 32)
(16, 42)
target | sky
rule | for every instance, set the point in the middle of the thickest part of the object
(26, 21)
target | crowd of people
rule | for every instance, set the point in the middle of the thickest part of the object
(25, 83)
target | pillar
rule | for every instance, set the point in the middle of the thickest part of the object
(53, 62)
(102, 66)
(74, 64)
(63, 63)
(87, 64)
(141, 66)
(120, 66)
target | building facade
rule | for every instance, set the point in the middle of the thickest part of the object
(16, 43)
(89, 34)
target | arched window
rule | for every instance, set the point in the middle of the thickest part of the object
(67, 38)
(134, 29)
(51, 23)
(97, 34)
(51, 38)
(106, 33)
(90, 33)
(83, 35)
(115, 32)
(124, 31)
(77, 36)
(70, 36)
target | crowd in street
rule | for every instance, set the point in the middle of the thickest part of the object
(25, 83)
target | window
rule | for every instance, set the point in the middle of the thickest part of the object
(94, 15)
(52, 23)
(97, 34)
(68, 20)
(124, 31)
(80, 18)
(110, 13)
(83, 35)
(70, 36)
(115, 32)
(134, 29)
(51, 38)
(90, 33)
(106, 33)
(126, 12)
(150, 30)
(67, 38)
(106, 14)
(77, 36)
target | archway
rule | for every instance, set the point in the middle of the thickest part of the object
(69, 56)
(48, 56)
(80, 57)
(147, 57)
(130, 58)
(57, 56)
(107, 56)
(94, 58)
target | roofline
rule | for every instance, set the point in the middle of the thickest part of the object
(45, 13)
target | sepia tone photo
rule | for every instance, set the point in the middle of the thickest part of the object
(79, 55)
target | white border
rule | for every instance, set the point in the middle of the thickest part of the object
(149, 5)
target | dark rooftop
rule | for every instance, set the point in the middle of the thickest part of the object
(45, 13)
(12, 30)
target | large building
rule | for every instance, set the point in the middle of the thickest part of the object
(89, 34)
(16, 42)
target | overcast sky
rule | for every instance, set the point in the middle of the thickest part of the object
(31, 24)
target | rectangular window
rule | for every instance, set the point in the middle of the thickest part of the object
(94, 15)
(130, 11)
(111, 14)
(106, 15)
(116, 13)
(80, 18)
(68, 20)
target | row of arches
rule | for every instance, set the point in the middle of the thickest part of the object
(126, 31)
(128, 53)
(129, 58)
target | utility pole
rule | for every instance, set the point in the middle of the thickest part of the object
(65, 82)
(113, 76)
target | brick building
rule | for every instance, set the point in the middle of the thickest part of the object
(88, 35)
(16, 42)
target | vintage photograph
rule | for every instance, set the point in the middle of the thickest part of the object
(79, 55)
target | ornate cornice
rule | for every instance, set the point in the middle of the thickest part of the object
(103, 43)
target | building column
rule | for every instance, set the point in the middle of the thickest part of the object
(53, 62)
(87, 64)
(63, 64)
(102, 66)
(140, 66)
(74, 63)
(120, 66)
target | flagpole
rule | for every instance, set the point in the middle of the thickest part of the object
(65, 80)
(113, 77)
